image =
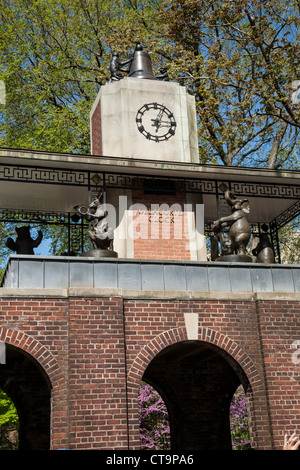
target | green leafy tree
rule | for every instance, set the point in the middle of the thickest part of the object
(240, 59)
(54, 56)
(6, 230)
(289, 238)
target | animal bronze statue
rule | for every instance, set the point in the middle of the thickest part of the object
(101, 235)
(24, 244)
(117, 67)
(240, 230)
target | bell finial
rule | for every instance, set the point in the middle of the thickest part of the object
(141, 66)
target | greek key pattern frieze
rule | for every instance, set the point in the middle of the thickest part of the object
(73, 177)
(43, 175)
(270, 190)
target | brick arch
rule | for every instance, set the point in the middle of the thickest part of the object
(171, 337)
(227, 344)
(208, 335)
(151, 349)
(36, 350)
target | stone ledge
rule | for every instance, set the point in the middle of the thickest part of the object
(181, 278)
(10, 292)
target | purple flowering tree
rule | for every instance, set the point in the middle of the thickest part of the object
(154, 420)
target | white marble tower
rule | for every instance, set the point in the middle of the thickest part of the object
(142, 117)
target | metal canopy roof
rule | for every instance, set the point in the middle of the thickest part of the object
(41, 181)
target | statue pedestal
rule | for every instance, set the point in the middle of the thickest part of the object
(235, 259)
(100, 254)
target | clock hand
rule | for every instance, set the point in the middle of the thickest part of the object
(158, 124)
(157, 121)
(165, 123)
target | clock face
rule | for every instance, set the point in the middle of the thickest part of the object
(155, 122)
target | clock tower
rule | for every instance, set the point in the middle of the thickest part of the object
(143, 116)
(140, 117)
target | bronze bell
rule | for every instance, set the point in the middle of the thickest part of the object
(141, 66)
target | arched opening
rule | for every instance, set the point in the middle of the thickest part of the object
(197, 381)
(25, 382)
(155, 424)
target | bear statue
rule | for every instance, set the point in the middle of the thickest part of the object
(24, 244)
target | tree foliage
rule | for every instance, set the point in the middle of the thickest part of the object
(154, 420)
(289, 239)
(54, 56)
(238, 57)
(9, 423)
(239, 426)
(6, 230)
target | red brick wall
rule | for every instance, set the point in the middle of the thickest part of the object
(96, 131)
(97, 406)
(160, 226)
(279, 322)
(80, 343)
